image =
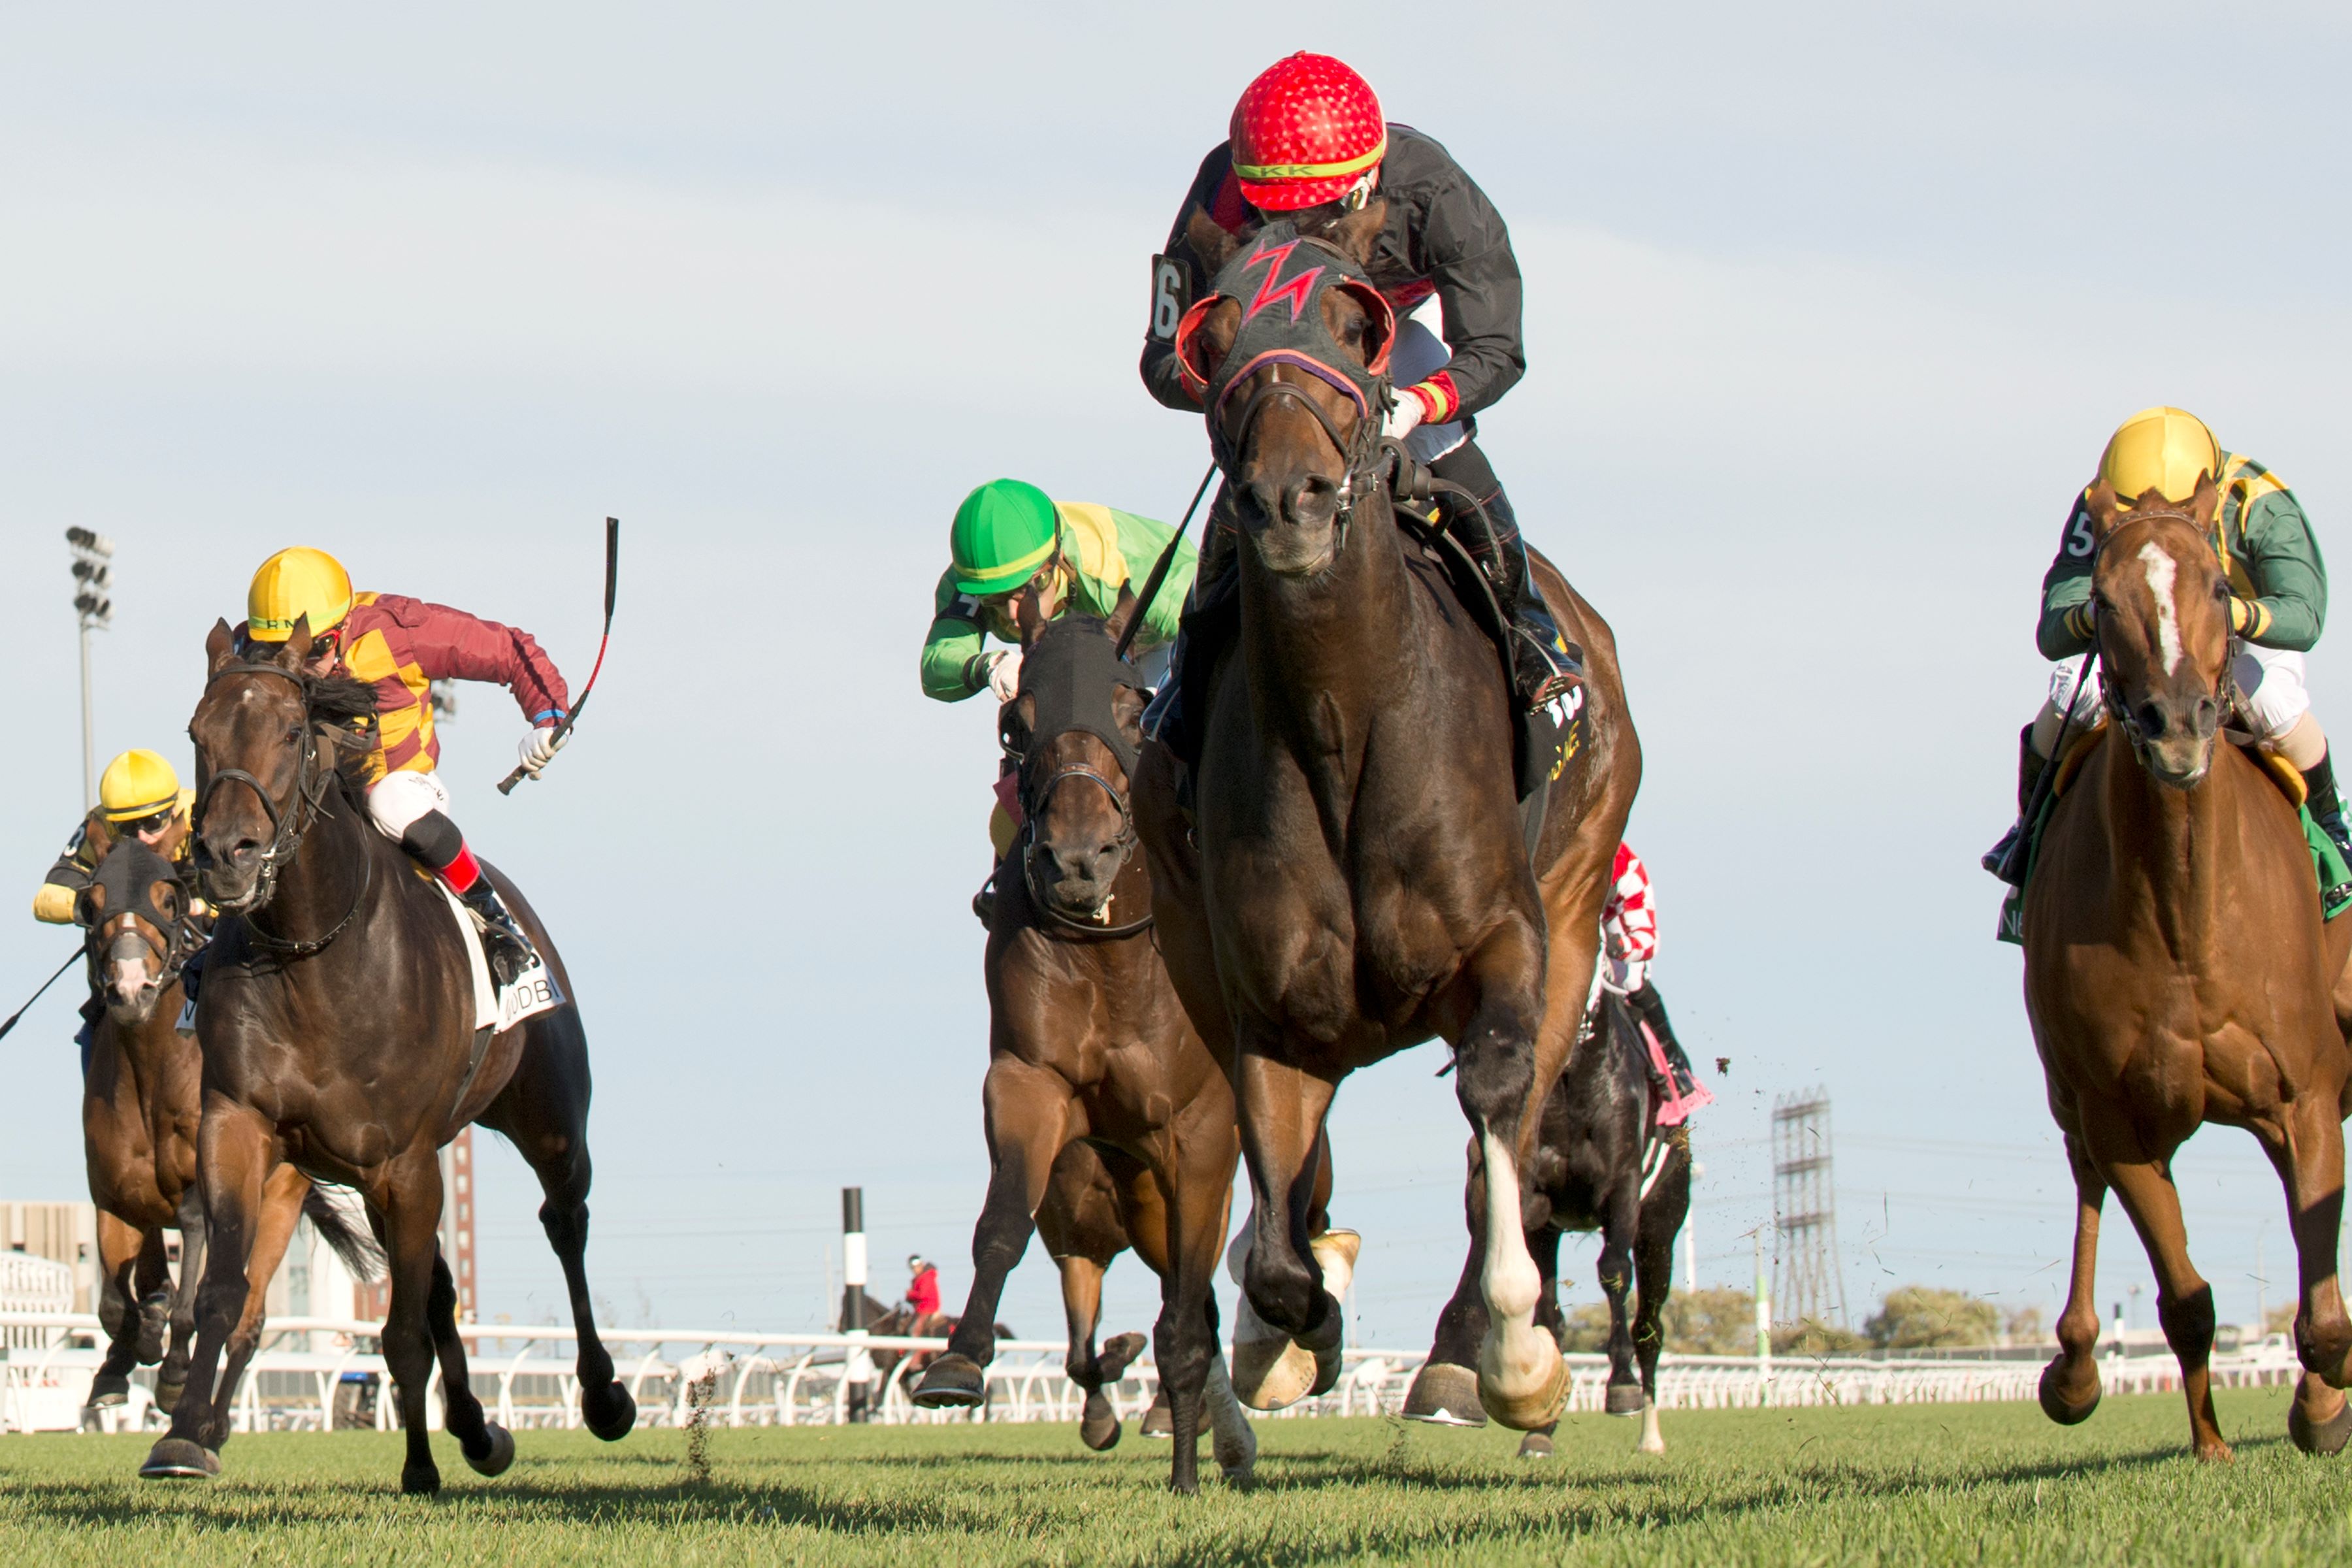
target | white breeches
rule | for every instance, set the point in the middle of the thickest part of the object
(2272, 698)
(1420, 354)
(397, 800)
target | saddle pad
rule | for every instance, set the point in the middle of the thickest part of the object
(534, 991)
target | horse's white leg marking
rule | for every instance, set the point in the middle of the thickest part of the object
(1520, 1360)
(2161, 574)
(1235, 1444)
(1652, 1442)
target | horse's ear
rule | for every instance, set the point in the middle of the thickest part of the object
(1358, 232)
(2206, 503)
(220, 647)
(1209, 241)
(298, 643)
(2107, 508)
(1126, 703)
(1122, 615)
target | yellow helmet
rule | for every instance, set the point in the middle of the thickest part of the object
(2161, 449)
(137, 785)
(293, 583)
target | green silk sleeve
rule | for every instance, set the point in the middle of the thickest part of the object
(951, 648)
(2283, 559)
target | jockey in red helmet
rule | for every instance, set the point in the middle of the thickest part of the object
(1309, 143)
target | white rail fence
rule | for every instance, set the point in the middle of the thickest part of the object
(317, 1373)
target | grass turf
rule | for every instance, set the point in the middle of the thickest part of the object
(1935, 1483)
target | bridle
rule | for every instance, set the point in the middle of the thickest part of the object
(2225, 686)
(286, 826)
(1033, 801)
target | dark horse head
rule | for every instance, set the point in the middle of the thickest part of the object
(1289, 354)
(272, 739)
(137, 911)
(2161, 603)
(1076, 728)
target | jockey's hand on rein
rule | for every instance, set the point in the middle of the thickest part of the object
(1005, 675)
(1400, 420)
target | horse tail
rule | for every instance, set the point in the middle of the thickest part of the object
(350, 1241)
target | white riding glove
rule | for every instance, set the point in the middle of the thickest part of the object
(539, 748)
(1405, 417)
(1005, 675)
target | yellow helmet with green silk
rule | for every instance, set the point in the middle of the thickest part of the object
(2161, 449)
(291, 585)
(1003, 532)
(137, 785)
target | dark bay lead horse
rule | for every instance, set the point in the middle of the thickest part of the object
(1362, 881)
(336, 1017)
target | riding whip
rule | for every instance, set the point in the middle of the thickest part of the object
(1160, 567)
(612, 582)
(2012, 865)
(36, 997)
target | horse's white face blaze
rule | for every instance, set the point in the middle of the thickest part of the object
(2162, 572)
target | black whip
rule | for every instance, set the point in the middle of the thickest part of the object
(611, 582)
(1159, 568)
(36, 997)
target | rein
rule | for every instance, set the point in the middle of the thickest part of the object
(287, 826)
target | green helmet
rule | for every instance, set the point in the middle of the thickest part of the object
(1004, 532)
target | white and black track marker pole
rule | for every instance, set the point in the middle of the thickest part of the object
(858, 1368)
(612, 584)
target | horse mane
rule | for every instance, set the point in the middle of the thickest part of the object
(345, 708)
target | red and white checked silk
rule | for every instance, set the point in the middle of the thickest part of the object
(1629, 922)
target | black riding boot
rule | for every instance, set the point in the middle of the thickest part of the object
(1651, 1008)
(984, 902)
(504, 943)
(2327, 807)
(2030, 764)
(1545, 666)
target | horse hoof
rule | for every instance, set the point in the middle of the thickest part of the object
(500, 1455)
(951, 1383)
(1535, 1446)
(1118, 1353)
(420, 1480)
(1445, 1395)
(618, 1418)
(1269, 1373)
(1098, 1426)
(1157, 1421)
(109, 1388)
(167, 1395)
(1540, 1405)
(1624, 1399)
(179, 1459)
(2057, 1406)
(2324, 1436)
(154, 1328)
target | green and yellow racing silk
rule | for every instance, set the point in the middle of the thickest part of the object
(1104, 551)
(2265, 546)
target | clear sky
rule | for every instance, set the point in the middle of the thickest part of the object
(1830, 308)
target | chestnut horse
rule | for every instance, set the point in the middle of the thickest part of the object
(1355, 877)
(2178, 971)
(336, 1016)
(1088, 1041)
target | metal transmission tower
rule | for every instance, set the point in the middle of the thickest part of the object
(94, 607)
(1807, 1282)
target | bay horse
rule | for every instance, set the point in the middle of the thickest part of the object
(1088, 1041)
(336, 1018)
(1604, 1164)
(2178, 971)
(1355, 877)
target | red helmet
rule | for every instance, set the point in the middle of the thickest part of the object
(1304, 133)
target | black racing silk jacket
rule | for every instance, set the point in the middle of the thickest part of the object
(1443, 236)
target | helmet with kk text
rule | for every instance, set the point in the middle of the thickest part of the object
(1306, 132)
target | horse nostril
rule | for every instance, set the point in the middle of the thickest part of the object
(2151, 719)
(2208, 716)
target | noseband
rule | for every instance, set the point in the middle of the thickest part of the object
(286, 826)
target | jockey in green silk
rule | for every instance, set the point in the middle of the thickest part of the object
(1013, 547)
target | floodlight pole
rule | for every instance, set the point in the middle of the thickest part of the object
(93, 611)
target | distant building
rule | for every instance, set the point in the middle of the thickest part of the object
(312, 1282)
